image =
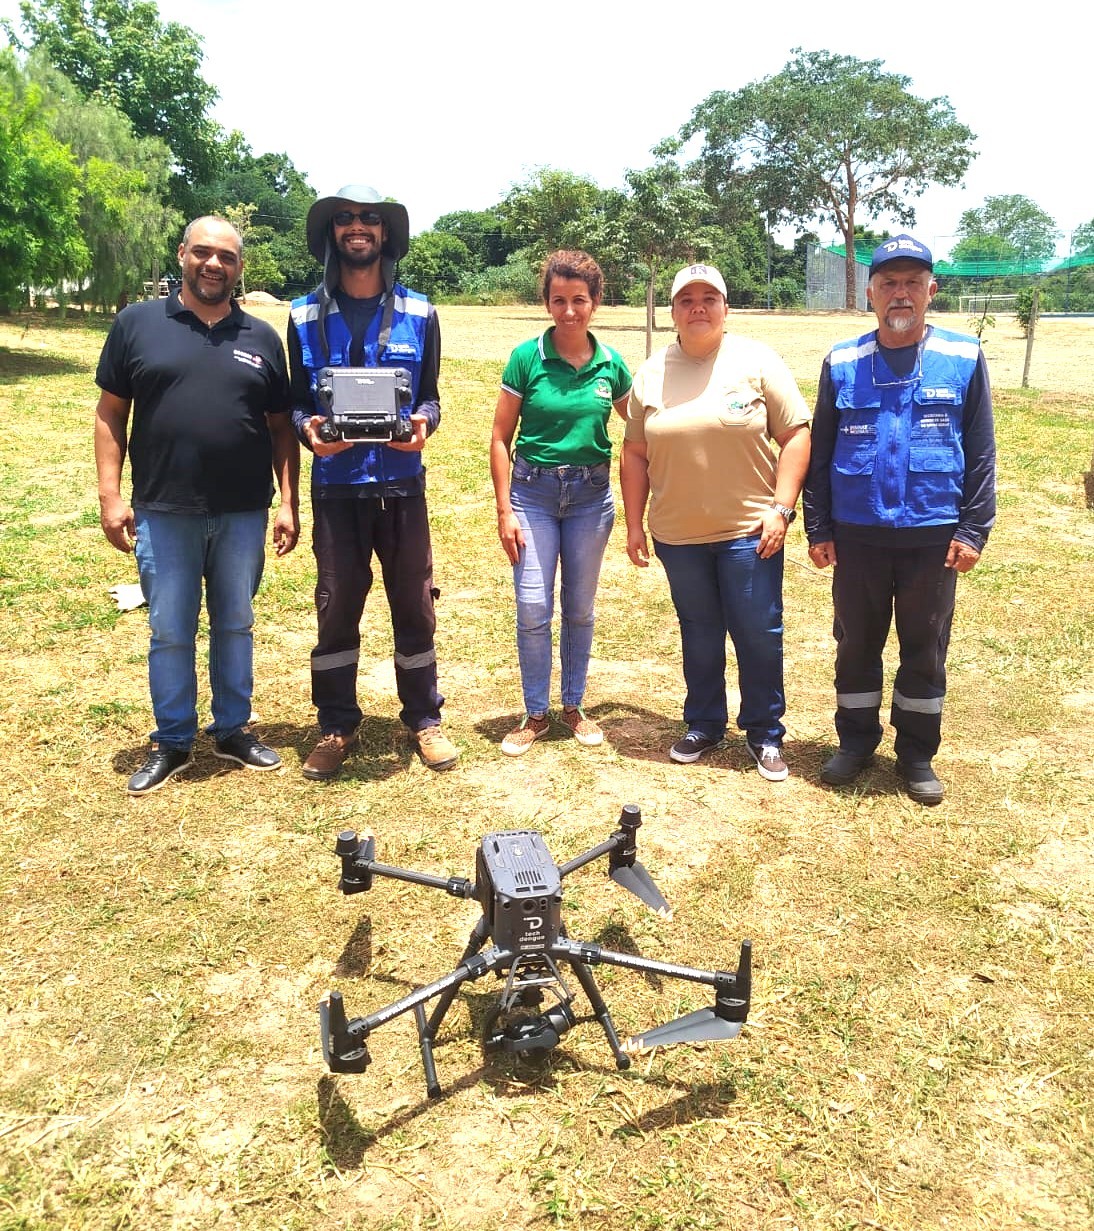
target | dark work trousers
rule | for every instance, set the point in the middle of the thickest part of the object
(345, 535)
(869, 586)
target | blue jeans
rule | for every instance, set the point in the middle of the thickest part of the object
(175, 553)
(566, 514)
(720, 588)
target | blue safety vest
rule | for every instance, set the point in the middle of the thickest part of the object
(899, 458)
(405, 346)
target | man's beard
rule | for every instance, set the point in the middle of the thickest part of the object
(902, 324)
(358, 260)
(206, 293)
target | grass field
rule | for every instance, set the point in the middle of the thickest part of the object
(920, 1050)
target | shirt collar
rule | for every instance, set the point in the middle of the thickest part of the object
(175, 307)
(547, 349)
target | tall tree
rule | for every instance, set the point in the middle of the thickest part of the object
(666, 218)
(40, 239)
(121, 52)
(1007, 227)
(834, 138)
(1082, 238)
(123, 187)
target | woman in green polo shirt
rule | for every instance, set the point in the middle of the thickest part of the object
(555, 505)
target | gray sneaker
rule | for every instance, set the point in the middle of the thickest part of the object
(769, 761)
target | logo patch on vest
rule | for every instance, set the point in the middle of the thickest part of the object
(940, 394)
(935, 421)
(401, 348)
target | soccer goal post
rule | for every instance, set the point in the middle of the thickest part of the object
(973, 305)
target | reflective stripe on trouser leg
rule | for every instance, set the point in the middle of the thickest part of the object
(918, 725)
(924, 604)
(342, 541)
(862, 602)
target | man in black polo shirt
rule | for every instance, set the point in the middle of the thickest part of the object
(208, 387)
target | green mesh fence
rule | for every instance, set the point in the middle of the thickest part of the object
(985, 269)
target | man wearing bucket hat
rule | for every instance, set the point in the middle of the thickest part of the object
(368, 498)
(900, 498)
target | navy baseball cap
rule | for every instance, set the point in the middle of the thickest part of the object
(902, 248)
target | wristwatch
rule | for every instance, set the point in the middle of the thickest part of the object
(788, 514)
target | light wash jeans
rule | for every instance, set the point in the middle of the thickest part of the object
(720, 588)
(175, 553)
(566, 514)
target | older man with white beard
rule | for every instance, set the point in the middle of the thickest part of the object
(900, 498)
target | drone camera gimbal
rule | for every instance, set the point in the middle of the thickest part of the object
(518, 887)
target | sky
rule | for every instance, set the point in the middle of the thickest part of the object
(445, 106)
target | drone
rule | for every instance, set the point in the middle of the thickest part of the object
(519, 888)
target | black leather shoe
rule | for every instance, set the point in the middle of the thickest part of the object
(920, 782)
(162, 763)
(243, 748)
(845, 766)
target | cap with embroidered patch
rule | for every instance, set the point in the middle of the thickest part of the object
(901, 248)
(698, 273)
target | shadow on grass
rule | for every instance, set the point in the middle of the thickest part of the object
(347, 1141)
(18, 365)
(356, 956)
(631, 730)
(383, 750)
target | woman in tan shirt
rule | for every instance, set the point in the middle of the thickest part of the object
(717, 444)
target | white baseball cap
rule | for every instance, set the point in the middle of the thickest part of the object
(698, 273)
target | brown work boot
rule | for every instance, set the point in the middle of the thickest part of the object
(436, 749)
(327, 757)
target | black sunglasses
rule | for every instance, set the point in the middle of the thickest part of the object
(345, 216)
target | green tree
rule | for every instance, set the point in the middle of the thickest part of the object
(666, 221)
(483, 231)
(1082, 238)
(123, 187)
(260, 271)
(279, 197)
(122, 53)
(40, 240)
(1007, 227)
(830, 137)
(435, 263)
(553, 209)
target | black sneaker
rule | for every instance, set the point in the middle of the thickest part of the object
(243, 748)
(921, 782)
(692, 747)
(769, 761)
(844, 766)
(161, 764)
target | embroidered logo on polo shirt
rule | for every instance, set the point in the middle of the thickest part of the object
(604, 389)
(737, 406)
(247, 357)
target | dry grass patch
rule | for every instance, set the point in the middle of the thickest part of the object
(920, 1046)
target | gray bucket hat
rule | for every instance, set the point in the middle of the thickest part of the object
(398, 223)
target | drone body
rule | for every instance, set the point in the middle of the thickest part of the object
(519, 888)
